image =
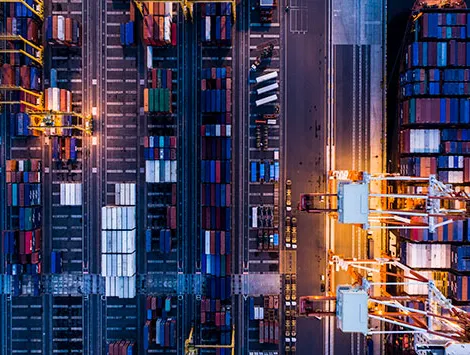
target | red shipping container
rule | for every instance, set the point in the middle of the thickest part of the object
(203, 84)
(9, 25)
(21, 195)
(154, 78)
(22, 242)
(203, 317)
(37, 239)
(213, 73)
(218, 84)
(35, 258)
(169, 79)
(217, 319)
(212, 243)
(212, 202)
(9, 195)
(228, 264)
(222, 243)
(218, 221)
(228, 102)
(153, 303)
(174, 38)
(68, 30)
(173, 194)
(217, 171)
(148, 302)
(461, 48)
(28, 247)
(217, 305)
(173, 142)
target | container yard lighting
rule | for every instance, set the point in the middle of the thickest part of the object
(94, 140)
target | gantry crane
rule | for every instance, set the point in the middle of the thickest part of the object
(440, 323)
(439, 204)
(42, 120)
(191, 349)
(186, 6)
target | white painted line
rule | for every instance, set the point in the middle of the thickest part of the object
(274, 24)
(269, 35)
(254, 35)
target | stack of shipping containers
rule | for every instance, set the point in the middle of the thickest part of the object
(159, 31)
(118, 250)
(216, 23)
(22, 237)
(21, 201)
(216, 211)
(264, 312)
(160, 324)
(435, 139)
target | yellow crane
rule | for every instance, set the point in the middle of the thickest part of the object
(191, 349)
(186, 6)
(38, 9)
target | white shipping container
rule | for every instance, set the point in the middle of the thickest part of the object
(257, 312)
(167, 171)
(149, 57)
(174, 171)
(414, 287)
(169, 9)
(276, 154)
(118, 218)
(266, 100)
(157, 332)
(217, 130)
(424, 140)
(61, 28)
(261, 313)
(265, 77)
(208, 28)
(228, 130)
(103, 265)
(156, 174)
(71, 194)
(167, 29)
(125, 194)
(208, 264)
(428, 256)
(208, 242)
(267, 88)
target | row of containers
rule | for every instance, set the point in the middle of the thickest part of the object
(160, 323)
(268, 240)
(264, 311)
(158, 27)
(451, 168)
(158, 97)
(165, 237)
(65, 148)
(122, 347)
(60, 30)
(216, 259)
(216, 90)
(264, 171)
(160, 148)
(216, 25)
(118, 250)
(19, 125)
(434, 84)
(438, 54)
(449, 147)
(438, 25)
(127, 33)
(22, 238)
(28, 77)
(452, 284)
(435, 256)
(214, 313)
(160, 159)
(216, 212)
(445, 111)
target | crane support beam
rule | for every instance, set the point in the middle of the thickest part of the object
(19, 88)
(20, 51)
(20, 102)
(39, 13)
(10, 37)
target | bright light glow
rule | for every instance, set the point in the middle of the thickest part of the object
(94, 140)
(94, 111)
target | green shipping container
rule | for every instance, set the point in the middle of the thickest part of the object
(167, 100)
(222, 266)
(157, 100)
(162, 100)
(412, 111)
(151, 100)
(159, 78)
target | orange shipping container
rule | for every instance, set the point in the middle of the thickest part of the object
(55, 27)
(150, 7)
(161, 8)
(146, 100)
(68, 29)
(63, 100)
(161, 27)
(132, 11)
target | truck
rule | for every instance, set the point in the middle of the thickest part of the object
(267, 88)
(266, 100)
(266, 8)
(266, 77)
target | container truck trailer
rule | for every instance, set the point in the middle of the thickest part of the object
(266, 100)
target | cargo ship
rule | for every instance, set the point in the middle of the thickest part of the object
(434, 127)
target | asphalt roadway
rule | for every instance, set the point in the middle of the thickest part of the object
(305, 66)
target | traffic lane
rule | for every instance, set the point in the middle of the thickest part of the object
(344, 105)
